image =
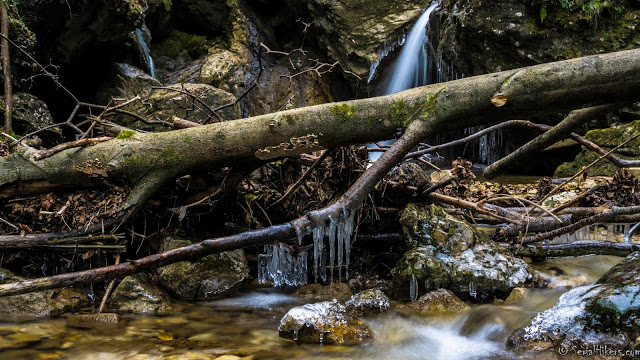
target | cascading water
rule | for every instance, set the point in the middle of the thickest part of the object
(413, 67)
(146, 55)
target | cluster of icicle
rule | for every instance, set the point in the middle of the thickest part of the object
(597, 232)
(338, 245)
(280, 267)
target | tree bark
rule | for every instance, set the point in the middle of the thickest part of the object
(6, 67)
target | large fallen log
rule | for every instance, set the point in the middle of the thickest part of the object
(149, 160)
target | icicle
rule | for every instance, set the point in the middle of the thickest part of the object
(340, 236)
(413, 288)
(295, 335)
(472, 290)
(348, 231)
(610, 232)
(321, 337)
(318, 237)
(281, 267)
(332, 244)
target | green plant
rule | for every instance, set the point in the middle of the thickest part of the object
(343, 111)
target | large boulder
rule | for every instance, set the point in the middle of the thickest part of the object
(511, 34)
(125, 81)
(589, 317)
(209, 277)
(31, 114)
(607, 139)
(138, 294)
(324, 322)
(47, 303)
(449, 253)
(193, 102)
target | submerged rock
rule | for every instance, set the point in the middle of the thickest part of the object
(367, 302)
(450, 253)
(324, 322)
(138, 294)
(317, 292)
(604, 314)
(38, 304)
(209, 277)
(436, 302)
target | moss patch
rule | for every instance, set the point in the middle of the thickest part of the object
(125, 134)
(399, 113)
(343, 111)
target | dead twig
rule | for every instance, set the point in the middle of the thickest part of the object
(68, 145)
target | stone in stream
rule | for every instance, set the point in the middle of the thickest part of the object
(39, 304)
(436, 302)
(589, 317)
(323, 323)
(317, 292)
(368, 302)
(138, 294)
(209, 277)
(449, 253)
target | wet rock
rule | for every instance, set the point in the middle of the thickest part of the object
(450, 253)
(607, 139)
(158, 16)
(368, 302)
(436, 302)
(31, 114)
(47, 303)
(125, 81)
(203, 17)
(231, 68)
(606, 313)
(359, 33)
(558, 199)
(165, 104)
(317, 292)
(138, 294)
(276, 91)
(410, 173)
(324, 322)
(97, 29)
(93, 321)
(209, 277)
(516, 295)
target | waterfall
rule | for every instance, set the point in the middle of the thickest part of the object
(413, 65)
(146, 55)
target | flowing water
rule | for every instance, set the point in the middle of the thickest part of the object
(246, 326)
(146, 55)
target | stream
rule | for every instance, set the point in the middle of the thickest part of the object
(245, 326)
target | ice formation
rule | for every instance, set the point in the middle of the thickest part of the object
(338, 233)
(280, 266)
(599, 232)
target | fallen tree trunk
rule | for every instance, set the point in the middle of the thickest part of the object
(149, 160)
(579, 248)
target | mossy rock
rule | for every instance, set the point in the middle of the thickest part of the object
(368, 302)
(607, 139)
(317, 292)
(607, 312)
(207, 278)
(138, 294)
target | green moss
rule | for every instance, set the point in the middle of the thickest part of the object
(399, 113)
(178, 44)
(188, 140)
(167, 5)
(167, 153)
(343, 111)
(429, 107)
(125, 134)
